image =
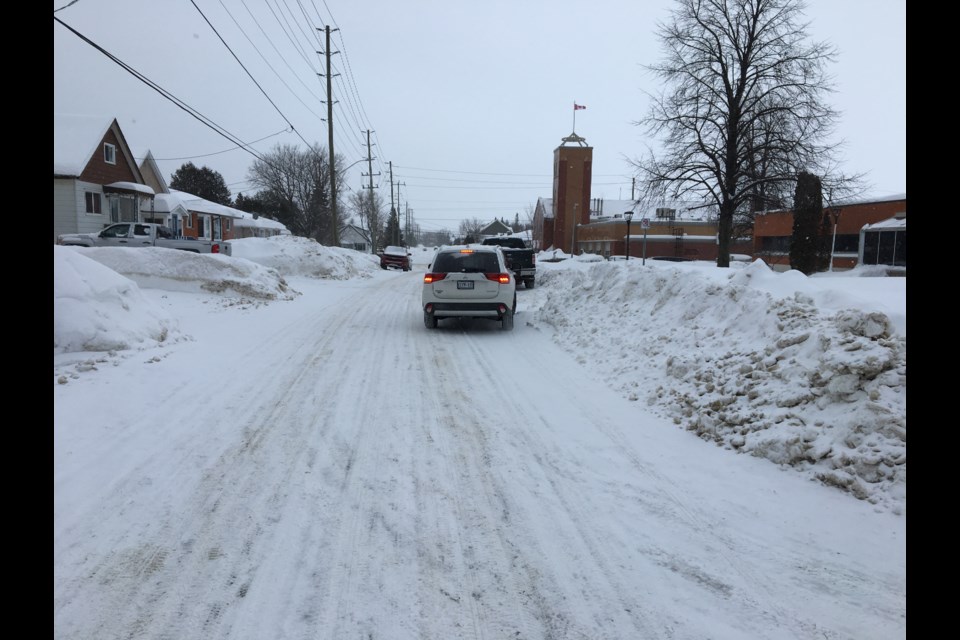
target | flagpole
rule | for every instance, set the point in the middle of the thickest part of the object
(574, 117)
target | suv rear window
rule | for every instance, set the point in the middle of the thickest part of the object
(480, 262)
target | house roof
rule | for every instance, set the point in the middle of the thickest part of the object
(201, 205)
(169, 203)
(496, 226)
(890, 224)
(547, 205)
(75, 139)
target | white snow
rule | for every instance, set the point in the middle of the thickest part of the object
(271, 445)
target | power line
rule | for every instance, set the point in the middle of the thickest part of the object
(249, 74)
(215, 153)
(166, 94)
(282, 58)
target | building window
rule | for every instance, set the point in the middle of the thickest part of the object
(123, 209)
(93, 202)
(847, 243)
(885, 247)
(229, 225)
(109, 153)
(775, 244)
(189, 220)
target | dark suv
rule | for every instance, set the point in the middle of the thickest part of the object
(395, 258)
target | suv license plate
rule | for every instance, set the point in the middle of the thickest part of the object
(464, 284)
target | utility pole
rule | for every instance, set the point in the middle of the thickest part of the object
(397, 231)
(333, 171)
(370, 174)
(391, 188)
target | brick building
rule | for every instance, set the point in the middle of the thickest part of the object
(772, 230)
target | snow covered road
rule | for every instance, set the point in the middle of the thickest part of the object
(342, 472)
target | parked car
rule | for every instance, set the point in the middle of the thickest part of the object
(141, 234)
(469, 281)
(395, 258)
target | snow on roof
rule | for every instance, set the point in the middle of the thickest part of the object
(201, 205)
(168, 203)
(131, 186)
(889, 224)
(75, 139)
(247, 220)
(869, 200)
(547, 205)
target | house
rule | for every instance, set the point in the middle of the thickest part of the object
(253, 225)
(495, 228)
(772, 230)
(96, 180)
(353, 237)
(170, 209)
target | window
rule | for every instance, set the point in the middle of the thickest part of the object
(123, 209)
(141, 230)
(775, 244)
(189, 220)
(93, 202)
(847, 243)
(229, 225)
(109, 153)
(215, 226)
(116, 231)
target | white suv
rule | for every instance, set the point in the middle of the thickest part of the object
(469, 281)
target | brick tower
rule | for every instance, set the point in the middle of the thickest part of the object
(572, 164)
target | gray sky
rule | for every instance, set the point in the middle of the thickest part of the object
(467, 99)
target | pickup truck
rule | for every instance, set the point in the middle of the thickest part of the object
(521, 260)
(395, 257)
(141, 234)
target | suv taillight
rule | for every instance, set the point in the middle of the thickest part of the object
(433, 277)
(502, 278)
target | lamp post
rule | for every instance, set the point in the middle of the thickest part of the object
(835, 216)
(628, 215)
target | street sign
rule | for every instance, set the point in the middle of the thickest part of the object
(645, 223)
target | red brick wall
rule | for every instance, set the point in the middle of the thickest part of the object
(852, 218)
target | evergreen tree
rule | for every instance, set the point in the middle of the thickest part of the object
(807, 240)
(203, 182)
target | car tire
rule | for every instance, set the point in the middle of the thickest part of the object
(506, 320)
(429, 320)
(528, 283)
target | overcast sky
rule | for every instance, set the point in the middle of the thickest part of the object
(468, 100)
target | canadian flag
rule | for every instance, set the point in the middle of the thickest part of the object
(578, 106)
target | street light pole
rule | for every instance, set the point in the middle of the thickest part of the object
(835, 214)
(628, 215)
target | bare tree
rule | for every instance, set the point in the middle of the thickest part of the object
(301, 181)
(369, 209)
(743, 112)
(470, 229)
